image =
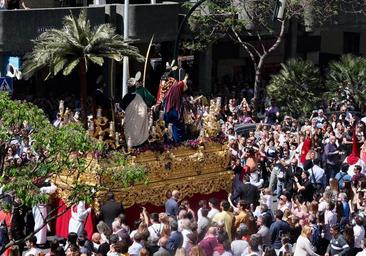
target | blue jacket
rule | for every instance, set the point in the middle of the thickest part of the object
(171, 207)
(277, 230)
(175, 241)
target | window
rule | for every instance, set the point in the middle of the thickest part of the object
(351, 42)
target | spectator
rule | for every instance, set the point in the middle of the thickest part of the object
(163, 251)
(136, 246)
(303, 245)
(253, 249)
(32, 245)
(338, 245)
(331, 154)
(224, 217)
(223, 247)
(330, 219)
(213, 204)
(176, 238)
(343, 176)
(359, 233)
(203, 224)
(111, 209)
(305, 188)
(210, 241)
(278, 229)
(171, 205)
(264, 232)
(238, 246)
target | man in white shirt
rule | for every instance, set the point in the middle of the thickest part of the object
(359, 233)
(317, 174)
(136, 246)
(363, 252)
(154, 230)
(213, 204)
(31, 244)
(330, 219)
(203, 205)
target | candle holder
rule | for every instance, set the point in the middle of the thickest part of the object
(112, 129)
(104, 130)
(61, 107)
(99, 113)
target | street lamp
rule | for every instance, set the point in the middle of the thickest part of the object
(125, 38)
(181, 26)
(279, 11)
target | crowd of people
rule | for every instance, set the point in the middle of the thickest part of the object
(315, 173)
(298, 189)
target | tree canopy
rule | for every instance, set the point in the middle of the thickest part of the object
(32, 151)
(297, 88)
(258, 26)
(347, 80)
(75, 45)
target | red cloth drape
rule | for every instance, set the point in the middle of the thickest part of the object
(305, 149)
(62, 222)
(132, 213)
(354, 156)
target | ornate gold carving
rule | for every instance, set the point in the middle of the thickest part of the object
(191, 171)
(155, 193)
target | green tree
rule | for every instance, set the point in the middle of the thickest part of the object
(58, 152)
(347, 80)
(297, 88)
(75, 45)
(256, 25)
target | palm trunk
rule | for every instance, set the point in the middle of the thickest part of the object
(83, 92)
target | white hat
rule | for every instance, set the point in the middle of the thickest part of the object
(13, 72)
(133, 80)
(170, 66)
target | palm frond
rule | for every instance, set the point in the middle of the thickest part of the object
(61, 49)
(296, 87)
(348, 74)
(95, 59)
(70, 66)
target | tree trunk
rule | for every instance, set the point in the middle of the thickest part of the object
(258, 70)
(258, 84)
(83, 93)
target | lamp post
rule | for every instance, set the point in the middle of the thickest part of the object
(181, 26)
(279, 11)
(125, 38)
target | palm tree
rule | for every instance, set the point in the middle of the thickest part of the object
(296, 88)
(75, 45)
(347, 80)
